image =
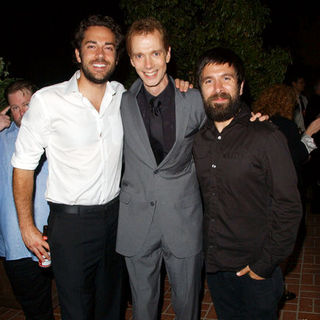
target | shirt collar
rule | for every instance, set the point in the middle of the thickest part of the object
(73, 83)
(73, 87)
(12, 127)
(242, 117)
(164, 97)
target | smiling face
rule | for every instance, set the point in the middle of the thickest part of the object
(220, 91)
(97, 56)
(149, 57)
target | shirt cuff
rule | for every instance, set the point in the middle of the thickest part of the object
(308, 142)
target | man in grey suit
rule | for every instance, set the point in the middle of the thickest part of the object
(160, 205)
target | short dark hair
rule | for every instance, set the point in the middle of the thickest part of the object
(19, 85)
(220, 55)
(93, 21)
(146, 26)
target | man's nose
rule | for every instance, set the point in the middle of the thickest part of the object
(100, 52)
(23, 110)
(218, 86)
(148, 62)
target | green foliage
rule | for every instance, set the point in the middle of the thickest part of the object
(4, 82)
(197, 25)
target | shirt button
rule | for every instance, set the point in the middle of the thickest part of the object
(219, 137)
(213, 193)
(213, 166)
(152, 203)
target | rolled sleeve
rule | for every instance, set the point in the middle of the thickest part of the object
(33, 136)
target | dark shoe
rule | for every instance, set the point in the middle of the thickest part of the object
(287, 295)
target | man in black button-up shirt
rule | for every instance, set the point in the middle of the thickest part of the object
(251, 202)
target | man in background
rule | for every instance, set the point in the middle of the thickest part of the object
(297, 82)
(31, 284)
(5, 118)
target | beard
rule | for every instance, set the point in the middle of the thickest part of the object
(221, 112)
(103, 78)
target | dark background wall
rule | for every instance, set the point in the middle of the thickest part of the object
(36, 40)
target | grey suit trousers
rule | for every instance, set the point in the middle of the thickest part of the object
(184, 275)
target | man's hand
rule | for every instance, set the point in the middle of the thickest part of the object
(258, 115)
(22, 182)
(182, 85)
(4, 119)
(313, 127)
(33, 240)
(250, 272)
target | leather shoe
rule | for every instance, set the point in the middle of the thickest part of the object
(288, 295)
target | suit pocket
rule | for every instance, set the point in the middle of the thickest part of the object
(193, 132)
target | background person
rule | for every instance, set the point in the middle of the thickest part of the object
(31, 284)
(279, 101)
(296, 80)
(312, 169)
(5, 118)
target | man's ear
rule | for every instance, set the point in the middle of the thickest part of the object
(241, 87)
(132, 63)
(77, 54)
(168, 55)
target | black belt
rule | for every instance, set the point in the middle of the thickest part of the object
(78, 209)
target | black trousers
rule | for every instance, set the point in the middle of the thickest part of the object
(243, 298)
(32, 288)
(88, 271)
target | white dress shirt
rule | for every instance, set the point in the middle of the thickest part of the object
(83, 146)
(298, 114)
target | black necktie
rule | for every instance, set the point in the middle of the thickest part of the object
(155, 107)
(156, 130)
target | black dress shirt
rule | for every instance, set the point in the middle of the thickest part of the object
(252, 208)
(165, 103)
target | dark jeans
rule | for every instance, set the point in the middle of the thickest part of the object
(88, 271)
(245, 298)
(32, 287)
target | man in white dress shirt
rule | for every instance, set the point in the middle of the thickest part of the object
(78, 124)
(296, 80)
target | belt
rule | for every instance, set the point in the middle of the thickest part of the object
(78, 209)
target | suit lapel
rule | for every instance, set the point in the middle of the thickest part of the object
(139, 127)
(182, 117)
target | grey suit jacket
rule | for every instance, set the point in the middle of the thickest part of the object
(169, 189)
